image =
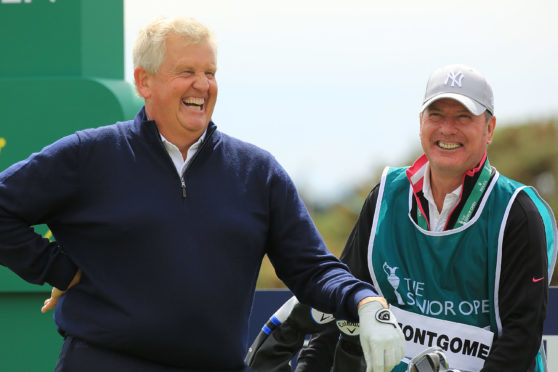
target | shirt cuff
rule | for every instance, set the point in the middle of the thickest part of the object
(62, 270)
(359, 296)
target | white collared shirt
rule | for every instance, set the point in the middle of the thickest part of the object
(437, 219)
(176, 156)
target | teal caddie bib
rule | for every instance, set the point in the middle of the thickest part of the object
(444, 285)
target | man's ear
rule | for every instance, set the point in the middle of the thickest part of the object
(143, 82)
(491, 126)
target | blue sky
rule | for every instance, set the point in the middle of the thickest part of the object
(333, 88)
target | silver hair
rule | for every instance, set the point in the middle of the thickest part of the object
(150, 46)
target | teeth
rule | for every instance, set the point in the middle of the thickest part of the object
(448, 146)
(194, 101)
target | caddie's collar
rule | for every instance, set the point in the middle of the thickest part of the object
(415, 173)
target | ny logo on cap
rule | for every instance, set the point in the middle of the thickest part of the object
(455, 79)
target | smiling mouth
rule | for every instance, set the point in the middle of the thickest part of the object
(194, 103)
(448, 145)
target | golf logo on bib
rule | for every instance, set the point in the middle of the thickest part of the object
(393, 281)
(415, 294)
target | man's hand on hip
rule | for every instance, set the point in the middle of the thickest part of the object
(56, 293)
(381, 338)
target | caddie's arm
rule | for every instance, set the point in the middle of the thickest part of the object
(381, 338)
(523, 292)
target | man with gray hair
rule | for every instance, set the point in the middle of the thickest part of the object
(463, 254)
(160, 227)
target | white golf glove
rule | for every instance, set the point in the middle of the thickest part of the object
(382, 341)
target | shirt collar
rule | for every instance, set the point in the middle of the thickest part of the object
(427, 188)
(168, 143)
(417, 172)
(194, 146)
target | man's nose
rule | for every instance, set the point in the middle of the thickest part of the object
(201, 82)
(448, 125)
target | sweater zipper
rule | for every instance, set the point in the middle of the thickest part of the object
(182, 181)
(183, 184)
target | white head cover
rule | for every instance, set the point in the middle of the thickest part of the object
(463, 84)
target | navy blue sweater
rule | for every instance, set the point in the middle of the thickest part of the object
(167, 276)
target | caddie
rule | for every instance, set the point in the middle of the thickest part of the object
(463, 254)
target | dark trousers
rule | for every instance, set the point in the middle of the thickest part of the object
(79, 356)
